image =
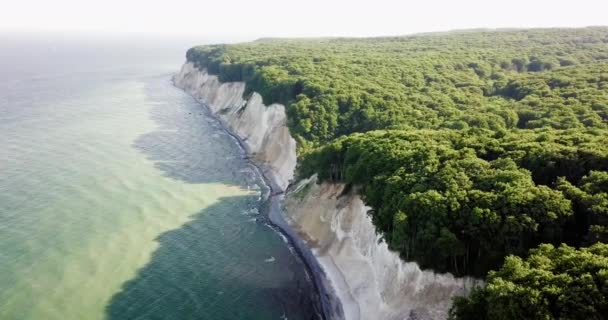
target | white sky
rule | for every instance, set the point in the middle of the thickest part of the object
(257, 18)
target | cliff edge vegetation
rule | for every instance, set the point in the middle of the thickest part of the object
(472, 148)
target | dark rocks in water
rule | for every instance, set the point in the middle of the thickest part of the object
(419, 314)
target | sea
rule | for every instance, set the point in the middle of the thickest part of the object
(122, 198)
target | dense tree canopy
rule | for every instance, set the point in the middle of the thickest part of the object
(494, 80)
(551, 283)
(469, 146)
(461, 201)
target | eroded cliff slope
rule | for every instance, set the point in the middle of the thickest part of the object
(262, 129)
(371, 281)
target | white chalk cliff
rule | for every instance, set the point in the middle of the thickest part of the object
(262, 129)
(370, 281)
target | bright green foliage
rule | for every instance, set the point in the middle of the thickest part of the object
(480, 134)
(494, 80)
(469, 146)
(552, 283)
(461, 200)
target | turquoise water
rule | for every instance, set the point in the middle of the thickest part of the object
(120, 198)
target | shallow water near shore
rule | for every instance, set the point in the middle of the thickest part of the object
(120, 198)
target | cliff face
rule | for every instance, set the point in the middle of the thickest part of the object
(263, 132)
(370, 281)
(262, 129)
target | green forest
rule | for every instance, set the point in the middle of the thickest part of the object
(482, 153)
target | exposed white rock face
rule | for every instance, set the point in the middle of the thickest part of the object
(263, 129)
(371, 281)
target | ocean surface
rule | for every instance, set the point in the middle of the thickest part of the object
(121, 198)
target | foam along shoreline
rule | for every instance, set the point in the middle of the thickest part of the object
(357, 276)
(262, 132)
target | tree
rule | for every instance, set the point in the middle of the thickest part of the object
(552, 283)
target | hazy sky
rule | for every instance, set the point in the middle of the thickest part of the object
(256, 18)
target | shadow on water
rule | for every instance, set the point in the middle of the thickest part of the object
(189, 145)
(222, 264)
(217, 267)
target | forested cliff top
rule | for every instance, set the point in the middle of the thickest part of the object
(470, 147)
(337, 86)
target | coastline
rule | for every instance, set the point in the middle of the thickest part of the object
(356, 275)
(328, 302)
(371, 281)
